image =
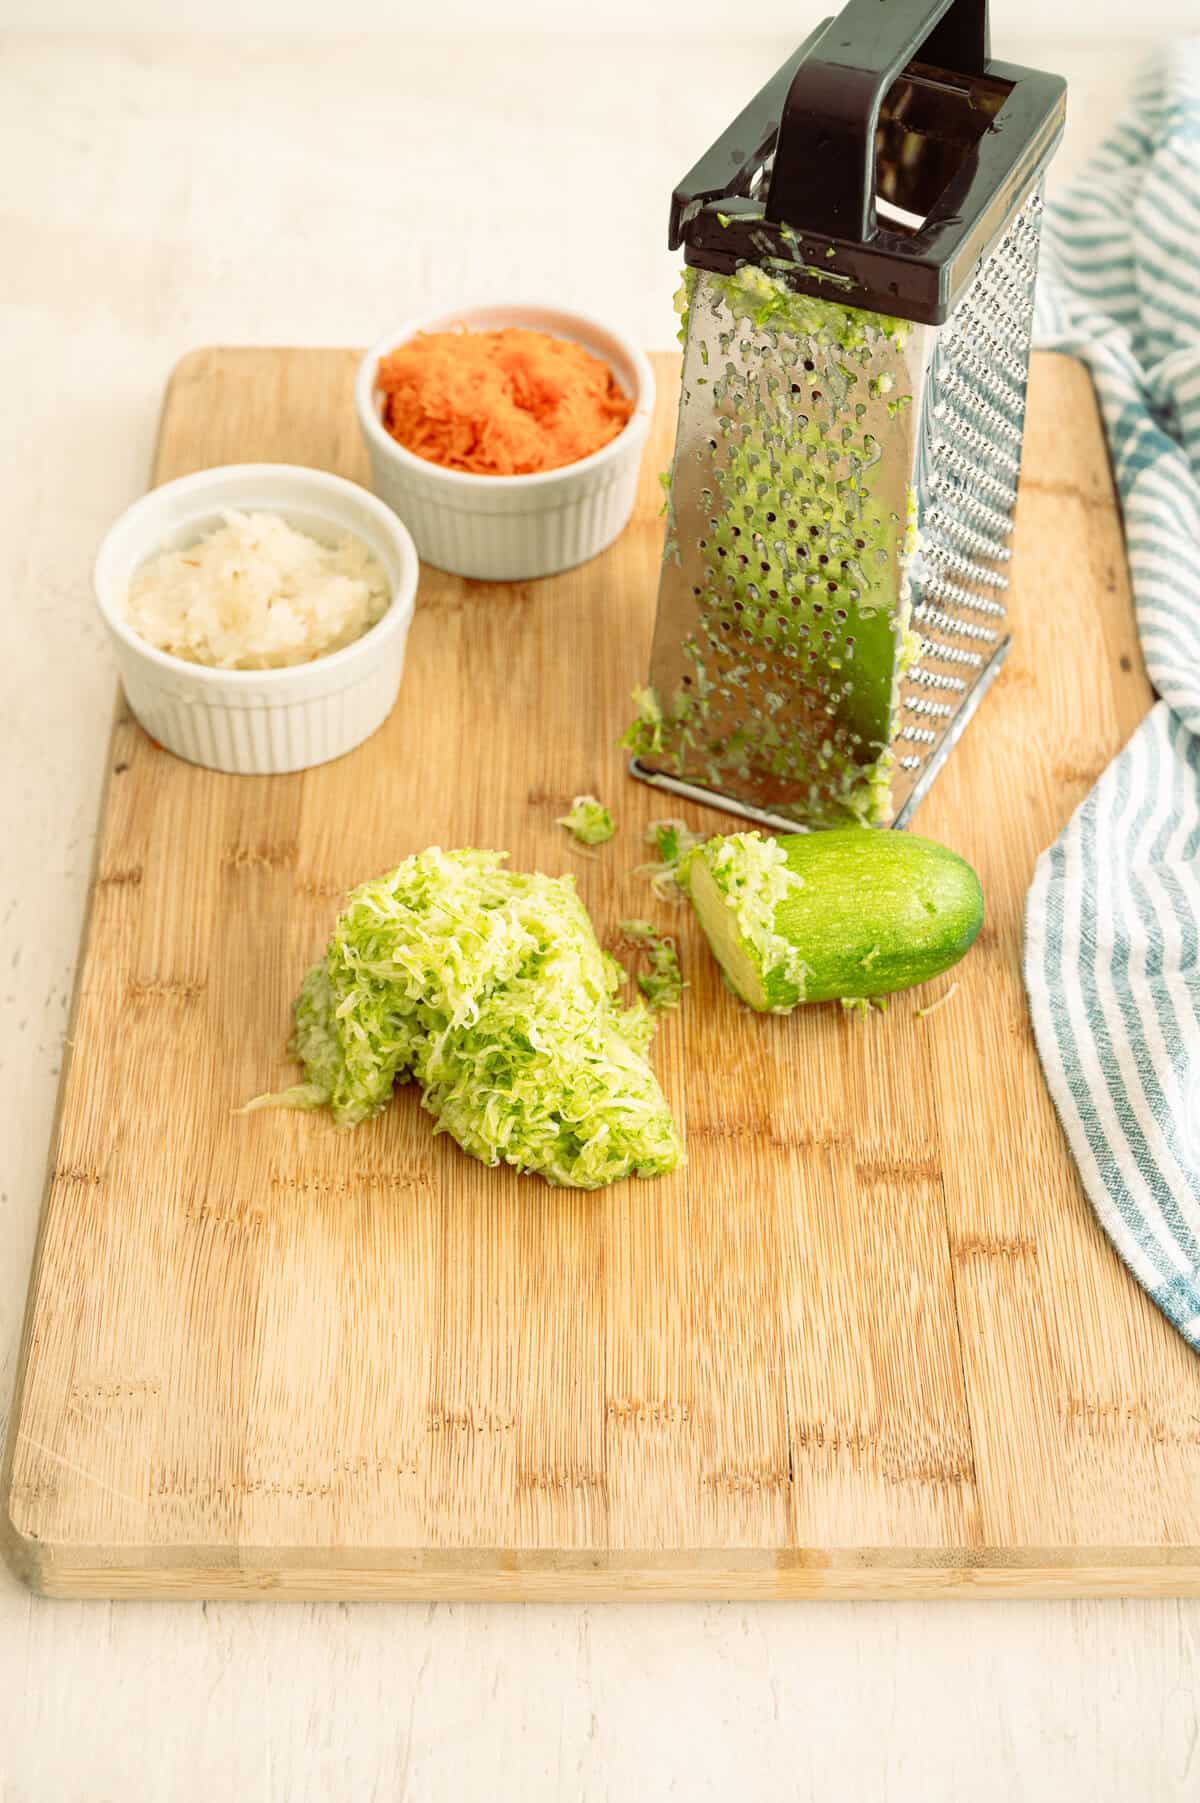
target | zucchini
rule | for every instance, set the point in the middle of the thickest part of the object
(842, 914)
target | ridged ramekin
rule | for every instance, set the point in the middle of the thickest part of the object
(512, 528)
(259, 722)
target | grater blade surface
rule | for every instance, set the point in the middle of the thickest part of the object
(968, 468)
(831, 601)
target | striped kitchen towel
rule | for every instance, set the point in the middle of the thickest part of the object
(1112, 927)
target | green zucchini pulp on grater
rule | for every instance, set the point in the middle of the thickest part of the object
(831, 596)
(861, 247)
(787, 540)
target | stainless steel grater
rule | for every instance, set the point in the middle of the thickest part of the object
(861, 250)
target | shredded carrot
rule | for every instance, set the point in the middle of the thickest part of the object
(500, 403)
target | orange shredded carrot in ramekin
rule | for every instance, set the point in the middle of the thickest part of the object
(500, 403)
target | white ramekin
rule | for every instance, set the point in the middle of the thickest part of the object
(512, 528)
(259, 722)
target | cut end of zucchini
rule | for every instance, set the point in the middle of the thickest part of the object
(721, 930)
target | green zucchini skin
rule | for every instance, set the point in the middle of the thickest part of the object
(909, 907)
(874, 912)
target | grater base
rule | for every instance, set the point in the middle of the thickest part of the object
(778, 823)
(712, 798)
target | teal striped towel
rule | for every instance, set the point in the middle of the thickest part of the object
(1112, 926)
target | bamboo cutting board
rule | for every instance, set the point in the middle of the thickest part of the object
(869, 1343)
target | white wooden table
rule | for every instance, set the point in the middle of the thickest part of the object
(155, 195)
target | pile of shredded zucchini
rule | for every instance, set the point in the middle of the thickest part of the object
(489, 988)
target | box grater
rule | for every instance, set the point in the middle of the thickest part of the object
(861, 249)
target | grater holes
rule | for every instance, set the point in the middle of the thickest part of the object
(944, 557)
(953, 594)
(944, 526)
(943, 651)
(926, 614)
(926, 709)
(967, 471)
(986, 518)
(993, 419)
(999, 361)
(957, 425)
(934, 679)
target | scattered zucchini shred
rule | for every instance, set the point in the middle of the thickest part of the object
(672, 840)
(663, 983)
(589, 820)
(488, 987)
(862, 1005)
(948, 996)
(644, 735)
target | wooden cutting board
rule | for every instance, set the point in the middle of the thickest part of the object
(869, 1343)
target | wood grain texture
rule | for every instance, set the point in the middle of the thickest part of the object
(870, 1342)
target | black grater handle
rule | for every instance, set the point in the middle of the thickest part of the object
(823, 178)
